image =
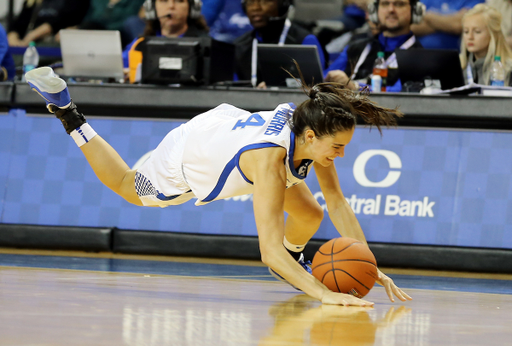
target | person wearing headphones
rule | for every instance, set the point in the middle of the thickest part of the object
(394, 19)
(167, 18)
(269, 19)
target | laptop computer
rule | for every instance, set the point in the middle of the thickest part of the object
(92, 53)
(272, 58)
(416, 65)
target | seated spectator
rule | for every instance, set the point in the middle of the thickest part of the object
(442, 26)
(229, 23)
(134, 26)
(482, 39)
(168, 18)
(270, 25)
(394, 19)
(40, 19)
(7, 67)
(505, 8)
(111, 15)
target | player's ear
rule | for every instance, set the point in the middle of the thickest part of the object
(309, 135)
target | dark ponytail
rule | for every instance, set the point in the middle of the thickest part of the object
(331, 108)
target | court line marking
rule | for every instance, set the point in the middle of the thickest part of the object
(241, 262)
(448, 274)
(273, 282)
(142, 275)
(157, 258)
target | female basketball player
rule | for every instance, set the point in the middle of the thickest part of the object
(227, 152)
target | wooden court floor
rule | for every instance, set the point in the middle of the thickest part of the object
(57, 298)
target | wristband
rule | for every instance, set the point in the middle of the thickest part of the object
(83, 134)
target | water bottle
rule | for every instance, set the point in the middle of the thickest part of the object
(376, 83)
(497, 72)
(380, 69)
(30, 59)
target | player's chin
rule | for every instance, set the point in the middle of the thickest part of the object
(327, 162)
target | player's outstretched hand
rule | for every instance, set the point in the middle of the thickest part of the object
(391, 288)
(334, 298)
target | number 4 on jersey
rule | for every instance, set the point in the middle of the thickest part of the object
(253, 120)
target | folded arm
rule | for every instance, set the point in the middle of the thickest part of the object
(451, 23)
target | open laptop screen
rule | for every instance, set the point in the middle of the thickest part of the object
(92, 53)
(416, 65)
(272, 58)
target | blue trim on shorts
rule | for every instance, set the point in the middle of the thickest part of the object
(163, 197)
(234, 162)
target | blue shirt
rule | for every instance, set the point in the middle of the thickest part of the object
(211, 10)
(442, 40)
(230, 23)
(6, 59)
(354, 11)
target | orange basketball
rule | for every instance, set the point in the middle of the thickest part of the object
(346, 265)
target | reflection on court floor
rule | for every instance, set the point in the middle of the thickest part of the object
(82, 299)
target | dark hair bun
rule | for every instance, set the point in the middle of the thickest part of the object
(313, 92)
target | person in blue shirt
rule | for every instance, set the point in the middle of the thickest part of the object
(394, 19)
(229, 22)
(7, 67)
(441, 26)
(271, 25)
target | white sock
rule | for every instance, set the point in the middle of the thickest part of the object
(293, 247)
(83, 134)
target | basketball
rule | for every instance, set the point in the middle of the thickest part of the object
(345, 265)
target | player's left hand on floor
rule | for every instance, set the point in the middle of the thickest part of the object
(335, 298)
(391, 289)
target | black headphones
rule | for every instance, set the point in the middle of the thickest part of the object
(283, 6)
(194, 11)
(418, 9)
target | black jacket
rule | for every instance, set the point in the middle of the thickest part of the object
(366, 69)
(60, 14)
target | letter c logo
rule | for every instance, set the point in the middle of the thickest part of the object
(360, 165)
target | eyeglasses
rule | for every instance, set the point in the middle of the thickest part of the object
(397, 4)
(261, 2)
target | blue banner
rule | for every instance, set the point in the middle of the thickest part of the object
(419, 186)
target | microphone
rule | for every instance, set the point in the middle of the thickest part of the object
(168, 15)
(273, 19)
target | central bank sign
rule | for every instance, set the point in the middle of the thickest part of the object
(391, 205)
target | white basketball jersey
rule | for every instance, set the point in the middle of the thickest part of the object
(213, 147)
